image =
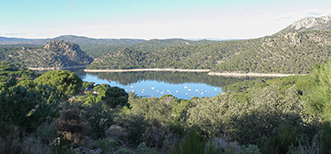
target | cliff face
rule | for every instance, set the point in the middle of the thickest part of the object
(309, 23)
(55, 54)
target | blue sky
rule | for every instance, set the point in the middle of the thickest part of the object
(148, 19)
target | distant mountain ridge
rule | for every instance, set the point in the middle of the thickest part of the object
(309, 23)
(80, 40)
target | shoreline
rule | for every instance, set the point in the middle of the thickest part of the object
(55, 68)
(227, 74)
(251, 74)
(148, 69)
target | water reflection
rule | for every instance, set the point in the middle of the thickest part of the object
(183, 85)
(180, 84)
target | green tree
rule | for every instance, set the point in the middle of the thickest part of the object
(113, 96)
(25, 108)
(88, 85)
(67, 83)
(101, 88)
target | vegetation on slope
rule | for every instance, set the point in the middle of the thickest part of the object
(294, 52)
(283, 115)
(53, 54)
(188, 56)
(150, 45)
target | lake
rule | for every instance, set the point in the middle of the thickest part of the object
(183, 85)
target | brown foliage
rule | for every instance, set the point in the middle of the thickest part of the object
(71, 125)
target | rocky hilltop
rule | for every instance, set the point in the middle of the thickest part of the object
(309, 23)
(70, 51)
(55, 54)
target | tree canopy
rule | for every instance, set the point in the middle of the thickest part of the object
(67, 83)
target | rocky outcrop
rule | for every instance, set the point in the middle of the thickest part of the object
(309, 23)
(69, 50)
(55, 55)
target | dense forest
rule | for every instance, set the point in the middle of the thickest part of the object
(293, 52)
(56, 113)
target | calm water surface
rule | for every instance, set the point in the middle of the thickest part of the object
(148, 88)
(182, 85)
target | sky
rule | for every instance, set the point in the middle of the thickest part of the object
(154, 19)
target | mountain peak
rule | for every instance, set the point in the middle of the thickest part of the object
(309, 23)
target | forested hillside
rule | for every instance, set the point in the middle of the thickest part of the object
(54, 54)
(100, 47)
(187, 56)
(150, 45)
(293, 52)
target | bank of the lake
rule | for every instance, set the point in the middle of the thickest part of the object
(56, 68)
(147, 69)
(250, 74)
(226, 74)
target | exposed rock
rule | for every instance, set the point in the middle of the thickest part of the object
(55, 54)
(309, 23)
(70, 50)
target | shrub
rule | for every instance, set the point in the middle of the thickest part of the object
(141, 149)
(154, 135)
(116, 133)
(281, 142)
(71, 126)
(99, 117)
(134, 126)
(326, 137)
(192, 144)
(107, 145)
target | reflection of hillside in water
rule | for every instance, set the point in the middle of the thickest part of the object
(78, 72)
(127, 78)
